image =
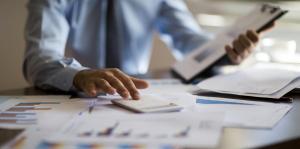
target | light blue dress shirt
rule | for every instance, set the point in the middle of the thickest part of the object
(66, 36)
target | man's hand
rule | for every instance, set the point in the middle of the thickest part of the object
(108, 81)
(244, 45)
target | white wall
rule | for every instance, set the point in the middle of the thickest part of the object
(12, 18)
(162, 57)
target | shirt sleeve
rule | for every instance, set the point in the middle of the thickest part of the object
(46, 34)
(179, 29)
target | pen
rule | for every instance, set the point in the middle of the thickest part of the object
(91, 107)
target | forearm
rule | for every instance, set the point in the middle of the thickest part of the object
(51, 74)
(46, 34)
(179, 29)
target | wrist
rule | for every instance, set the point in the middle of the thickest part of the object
(79, 76)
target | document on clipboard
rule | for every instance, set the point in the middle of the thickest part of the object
(200, 59)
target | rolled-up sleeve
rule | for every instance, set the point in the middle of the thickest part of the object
(179, 29)
(46, 34)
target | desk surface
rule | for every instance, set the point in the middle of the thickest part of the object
(285, 134)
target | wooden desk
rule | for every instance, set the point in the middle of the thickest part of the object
(285, 134)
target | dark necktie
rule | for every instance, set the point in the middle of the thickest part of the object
(112, 55)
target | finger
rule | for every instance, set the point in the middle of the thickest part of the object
(105, 86)
(246, 42)
(253, 36)
(139, 83)
(244, 55)
(90, 89)
(126, 80)
(243, 46)
(117, 84)
(233, 56)
(247, 45)
(239, 49)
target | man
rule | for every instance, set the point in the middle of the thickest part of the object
(91, 45)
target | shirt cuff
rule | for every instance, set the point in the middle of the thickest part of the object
(64, 81)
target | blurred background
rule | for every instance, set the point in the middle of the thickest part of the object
(282, 45)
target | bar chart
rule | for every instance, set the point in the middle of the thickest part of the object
(175, 129)
(133, 129)
(24, 112)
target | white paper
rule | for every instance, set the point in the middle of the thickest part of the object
(176, 129)
(257, 82)
(175, 92)
(198, 60)
(185, 100)
(289, 67)
(43, 113)
(244, 113)
(5, 98)
(167, 86)
(165, 81)
(212, 51)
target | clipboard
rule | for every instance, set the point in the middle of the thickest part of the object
(210, 53)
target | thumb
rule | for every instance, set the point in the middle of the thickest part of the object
(139, 83)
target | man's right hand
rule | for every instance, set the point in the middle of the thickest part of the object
(108, 81)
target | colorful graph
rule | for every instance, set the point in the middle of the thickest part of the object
(86, 134)
(108, 131)
(205, 101)
(24, 112)
(35, 103)
(124, 134)
(48, 145)
(128, 132)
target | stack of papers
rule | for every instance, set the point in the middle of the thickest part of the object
(78, 122)
(244, 113)
(255, 82)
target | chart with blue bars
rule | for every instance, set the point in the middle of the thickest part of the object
(215, 102)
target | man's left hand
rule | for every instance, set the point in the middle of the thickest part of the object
(244, 45)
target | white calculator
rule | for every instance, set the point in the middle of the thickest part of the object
(148, 104)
